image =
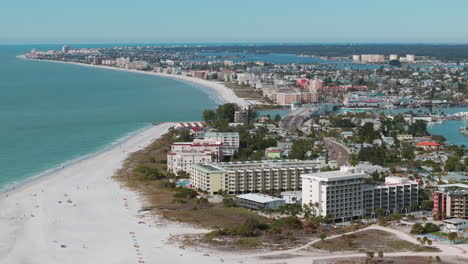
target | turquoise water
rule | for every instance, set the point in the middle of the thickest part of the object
(52, 113)
(449, 129)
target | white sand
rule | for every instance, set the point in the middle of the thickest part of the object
(218, 88)
(95, 225)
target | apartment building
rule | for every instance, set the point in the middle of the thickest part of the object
(372, 58)
(252, 176)
(337, 193)
(184, 154)
(451, 201)
(230, 141)
(343, 193)
(396, 195)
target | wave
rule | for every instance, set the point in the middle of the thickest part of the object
(18, 184)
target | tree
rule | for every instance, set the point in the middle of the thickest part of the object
(408, 154)
(300, 148)
(381, 254)
(322, 236)
(226, 111)
(370, 254)
(277, 118)
(418, 128)
(452, 236)
(427, 205)
(209, 116)
(417, 229)
(437, 259)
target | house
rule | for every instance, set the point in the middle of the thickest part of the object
(405, 137)
(455, 225)
(346, 134)
(428, 145)
(259, 201)
(388, 141)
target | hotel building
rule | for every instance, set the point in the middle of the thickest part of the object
(252, 176)
(184, 154)
(396, 195)
(230, 141)
(343, 193)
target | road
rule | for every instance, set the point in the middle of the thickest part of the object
(302, 254)
(337, 151)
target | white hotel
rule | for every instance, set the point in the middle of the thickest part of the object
(343, 194)
(230, 141)
(338, 193)
(184, 154)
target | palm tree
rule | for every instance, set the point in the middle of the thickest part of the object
(452, 236)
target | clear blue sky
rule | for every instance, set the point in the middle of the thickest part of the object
(144, 21)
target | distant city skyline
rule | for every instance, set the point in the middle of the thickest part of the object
(210, 21)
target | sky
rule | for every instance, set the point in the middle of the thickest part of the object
(213, 21)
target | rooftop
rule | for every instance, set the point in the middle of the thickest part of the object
(259, 198)
(343, 174)
(455, 221)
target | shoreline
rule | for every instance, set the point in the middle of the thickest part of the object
(79, 214)
(17, 186)
(218, 88)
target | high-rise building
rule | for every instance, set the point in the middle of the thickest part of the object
(185, 154)
(451, 200)
(396, 195)
(241, 116)
(394, 57)
(230, 141)
(372, 58)
(356, 58)
(65, 49)
(343, 194)
(337, 193)
(252, 176)
(410, 58)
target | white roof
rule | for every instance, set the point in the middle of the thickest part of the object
(292, 193)
(455, 221)
(259, 198)
(344, 173)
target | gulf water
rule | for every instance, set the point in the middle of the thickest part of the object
(54, 113)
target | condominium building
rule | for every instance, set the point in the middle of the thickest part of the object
(410, 58)
(343, 193)
(372, 58)
(337, 193)
(396, 195)
(300, 97)
(184, 154)
(252, 176)
(451, 200)
(230, 141)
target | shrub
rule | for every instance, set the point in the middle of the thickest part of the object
(290, 222)
(229, 202)
(185, 193)
(149, 174)
(248, 242)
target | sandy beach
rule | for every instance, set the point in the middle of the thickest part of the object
(80, 215)
(225, 94)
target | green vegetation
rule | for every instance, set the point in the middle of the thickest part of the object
(369, 241)
(427, 228)
(149, 174)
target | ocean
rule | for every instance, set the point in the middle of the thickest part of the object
(52, 114)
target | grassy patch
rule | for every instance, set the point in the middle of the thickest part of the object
(248, 242)
(370, 240)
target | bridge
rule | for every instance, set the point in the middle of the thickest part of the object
(296, 118)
